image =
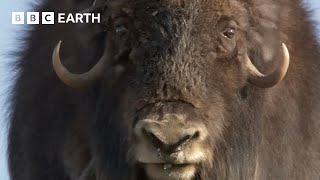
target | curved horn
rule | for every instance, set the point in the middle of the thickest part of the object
(78, 80)
(267, 81)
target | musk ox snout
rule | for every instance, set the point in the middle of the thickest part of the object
(170, 145)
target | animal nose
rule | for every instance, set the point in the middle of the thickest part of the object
(169, 146)
(169, 134)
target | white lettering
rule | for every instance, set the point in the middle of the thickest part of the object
(70, 18)
(49, 18)
(95, 17)
(79, 18)
(61, 18)
(87, 15)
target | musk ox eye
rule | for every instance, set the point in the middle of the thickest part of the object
(229, 32)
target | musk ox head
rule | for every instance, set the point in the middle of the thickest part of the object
(182, 77)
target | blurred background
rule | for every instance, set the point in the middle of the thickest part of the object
(9, 35)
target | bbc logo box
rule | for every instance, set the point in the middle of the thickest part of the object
(17, 17)
(32, 18)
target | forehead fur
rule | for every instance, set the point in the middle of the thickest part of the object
(201, 13)
(225, 7)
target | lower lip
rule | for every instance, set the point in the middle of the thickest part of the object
(170, 172)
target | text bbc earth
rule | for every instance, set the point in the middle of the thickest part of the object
(53, 18)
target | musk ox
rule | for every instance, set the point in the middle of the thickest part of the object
(169, 90)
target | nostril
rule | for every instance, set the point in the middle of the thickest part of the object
(170, 147)
(177, 146)
(185, 139)
(154, 139)
(196, 135)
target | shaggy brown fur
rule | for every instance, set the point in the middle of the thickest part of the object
(174, 54)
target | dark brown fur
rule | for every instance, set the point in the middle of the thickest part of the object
(174, 54)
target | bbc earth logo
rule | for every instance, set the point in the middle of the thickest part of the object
(49, 18)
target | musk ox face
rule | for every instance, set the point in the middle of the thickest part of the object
(178, 69)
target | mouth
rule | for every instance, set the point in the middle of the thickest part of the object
(183, 164)
(169, 171)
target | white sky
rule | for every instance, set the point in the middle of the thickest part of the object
(7, 34)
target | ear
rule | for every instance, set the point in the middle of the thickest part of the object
(264, 35)
(267, 58)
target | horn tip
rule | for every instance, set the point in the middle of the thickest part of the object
(286, 51)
